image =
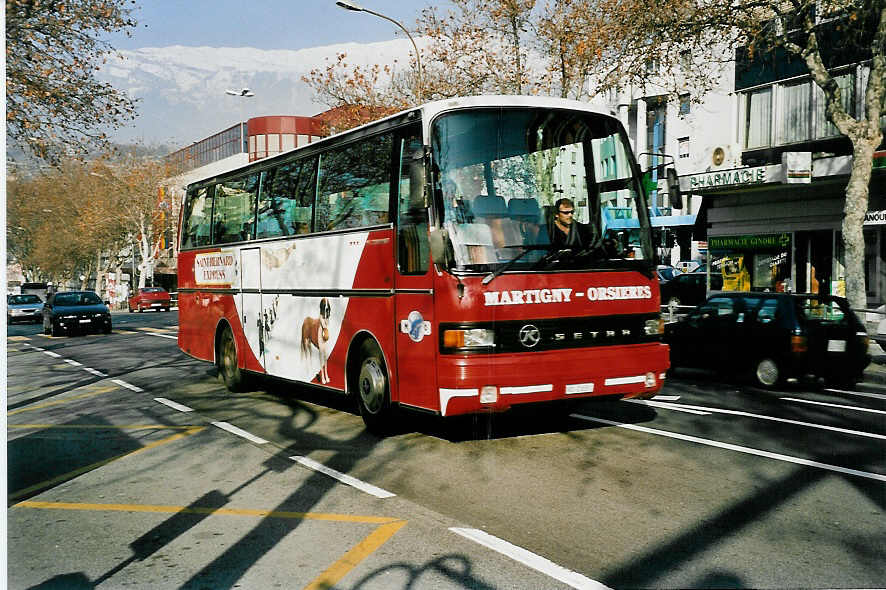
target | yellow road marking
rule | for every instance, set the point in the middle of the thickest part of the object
(355, 555)
(18, 338)
(82, 470)
(124, 331)
(156, 330)
(103, 426)
(98, 391)
(383, 520)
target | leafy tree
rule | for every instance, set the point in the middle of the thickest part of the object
(55, 106)
(683, 34)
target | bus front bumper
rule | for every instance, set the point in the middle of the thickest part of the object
(477, 383)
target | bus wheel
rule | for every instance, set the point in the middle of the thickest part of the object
(373, 395)
(226, 360)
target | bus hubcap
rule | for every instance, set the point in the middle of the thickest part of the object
(372, 385)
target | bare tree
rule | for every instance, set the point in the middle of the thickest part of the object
(55, 105)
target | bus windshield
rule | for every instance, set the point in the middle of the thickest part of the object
(502, 172)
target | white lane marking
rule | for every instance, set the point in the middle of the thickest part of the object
(122, 383)
(841, 406)
(52, 354)
(859, 393)
(95, 372)
(666, 398)
(342, 477)
(75, 363)
(737, 448)
(173, 405)
(38, 348)
(686, 407)
(667, 406)
(239, 432)
(536, 562)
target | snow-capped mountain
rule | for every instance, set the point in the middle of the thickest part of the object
(181, 90)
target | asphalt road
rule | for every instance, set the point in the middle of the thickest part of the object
(712, 484)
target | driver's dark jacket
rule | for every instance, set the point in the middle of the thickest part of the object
(579, 236)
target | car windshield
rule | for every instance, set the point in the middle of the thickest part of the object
(500, 173)
(22, 299)
(76, 299)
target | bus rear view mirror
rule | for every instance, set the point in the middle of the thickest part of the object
(440, 246)
(674, 195)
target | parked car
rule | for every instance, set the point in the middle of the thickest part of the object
(689, 288)
(24, 308)
(772, 337)
(69, 312)
(150, 298)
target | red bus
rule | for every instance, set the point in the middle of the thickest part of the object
(409, 262)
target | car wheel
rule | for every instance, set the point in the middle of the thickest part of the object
(228, 370)
(130, 309)
(55, 329)
(373, 393)
(766, 372)
(107, 329)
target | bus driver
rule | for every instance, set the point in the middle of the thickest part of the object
(564, 231)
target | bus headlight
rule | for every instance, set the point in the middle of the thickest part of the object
(472, 338)
(654, 326)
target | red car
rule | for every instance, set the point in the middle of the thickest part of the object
(150, 298)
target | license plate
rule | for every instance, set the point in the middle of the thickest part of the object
(836, 346)
(85, 321)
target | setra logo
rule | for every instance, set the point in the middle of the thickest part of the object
(529, 336)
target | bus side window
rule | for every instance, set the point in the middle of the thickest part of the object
(354, 185)
(233, 217)
(286, 203)
(196, 225)
(412, 211)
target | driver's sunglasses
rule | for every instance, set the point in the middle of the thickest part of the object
(570, 212)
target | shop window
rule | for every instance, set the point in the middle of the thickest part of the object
(685, 105)
(758, 118)
(796, 112)
(823, 127)
(683, 147)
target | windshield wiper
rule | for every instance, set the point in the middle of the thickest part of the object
(526, 249)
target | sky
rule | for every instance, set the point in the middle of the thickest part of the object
(265, 24)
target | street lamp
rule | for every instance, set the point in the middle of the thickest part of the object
(351, 5)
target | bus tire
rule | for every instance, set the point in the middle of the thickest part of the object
(372, 390)
(226, 360)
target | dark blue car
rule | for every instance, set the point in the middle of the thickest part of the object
(71, 312)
